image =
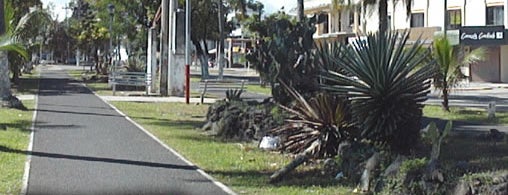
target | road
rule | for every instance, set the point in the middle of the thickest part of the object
(83, 146)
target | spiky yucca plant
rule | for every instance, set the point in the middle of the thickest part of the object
(317, 126)
(234, 95)
(386, 82)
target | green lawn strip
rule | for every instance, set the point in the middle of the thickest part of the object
(97, 87)
(241, 166)
(474, 115)
(256, 88)
(15, 137)
(472, 147)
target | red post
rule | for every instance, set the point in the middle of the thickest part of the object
(187, 83)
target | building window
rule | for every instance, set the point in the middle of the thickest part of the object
(454, 19)
(389, 22)
(495, 15)
(325, 23)
(417, 20)
(351, 18)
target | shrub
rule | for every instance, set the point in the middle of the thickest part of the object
(386, 84)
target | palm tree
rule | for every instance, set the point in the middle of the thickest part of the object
(449, 59)
(299, 9)
(10, 41)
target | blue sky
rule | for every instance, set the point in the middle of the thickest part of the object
(270, 6)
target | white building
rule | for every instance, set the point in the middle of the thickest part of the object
(470, 23)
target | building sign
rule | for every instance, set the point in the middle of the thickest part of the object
(482, 35)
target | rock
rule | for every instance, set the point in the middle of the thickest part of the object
(13, 102)
(394, 167)
(496, 136)
(462, 165)
(330, 167)
(462, 188)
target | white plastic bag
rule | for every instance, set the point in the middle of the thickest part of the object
(269, 142)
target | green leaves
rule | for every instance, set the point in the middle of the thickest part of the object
(387, 83)
(8, 41)
(324, 119)
(449, 59)
(6, 44)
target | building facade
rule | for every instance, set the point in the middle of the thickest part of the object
(470, 23)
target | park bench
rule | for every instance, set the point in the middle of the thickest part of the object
(219, 86)
(128, 79)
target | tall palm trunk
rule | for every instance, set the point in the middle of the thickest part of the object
(5, 83)
(220, 49)
(383, 17)
(299, 9)
(446, 107)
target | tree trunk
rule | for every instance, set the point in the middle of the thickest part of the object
(299, 10)
(203, 58)
(383, 17)
(5, 83)
(446, 107)
(277, 176)
(300, 159)
(2, 20)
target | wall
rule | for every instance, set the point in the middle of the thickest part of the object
(488, 70)
(504, 64)
(475, 13)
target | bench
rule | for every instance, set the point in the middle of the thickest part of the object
(219, 86)
(128, 79)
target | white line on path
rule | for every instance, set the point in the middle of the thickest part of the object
(26, 174)
(199, 170)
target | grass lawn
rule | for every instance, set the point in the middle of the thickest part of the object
(472, 147)
(474, 115)
(16, 136)
(256, 88)
(241, 166)
(100, 88)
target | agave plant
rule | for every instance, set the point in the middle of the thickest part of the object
(317, 126)
(449, 59)
(234, 95)
(386, 82)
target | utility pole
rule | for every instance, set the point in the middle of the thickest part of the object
(164, 48)
(187, 49)
(67, 26)
(220, 49)
(445, 19)
(78, 53)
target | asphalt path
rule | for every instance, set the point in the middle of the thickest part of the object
(83, 146)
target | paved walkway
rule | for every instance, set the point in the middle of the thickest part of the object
(83, 146)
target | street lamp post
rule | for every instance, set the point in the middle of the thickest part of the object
(187, 49)
(111, 9)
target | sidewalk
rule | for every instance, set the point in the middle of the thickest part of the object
(82, 145)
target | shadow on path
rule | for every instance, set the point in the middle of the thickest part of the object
(97, 159)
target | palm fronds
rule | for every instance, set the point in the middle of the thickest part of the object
(449, 59)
